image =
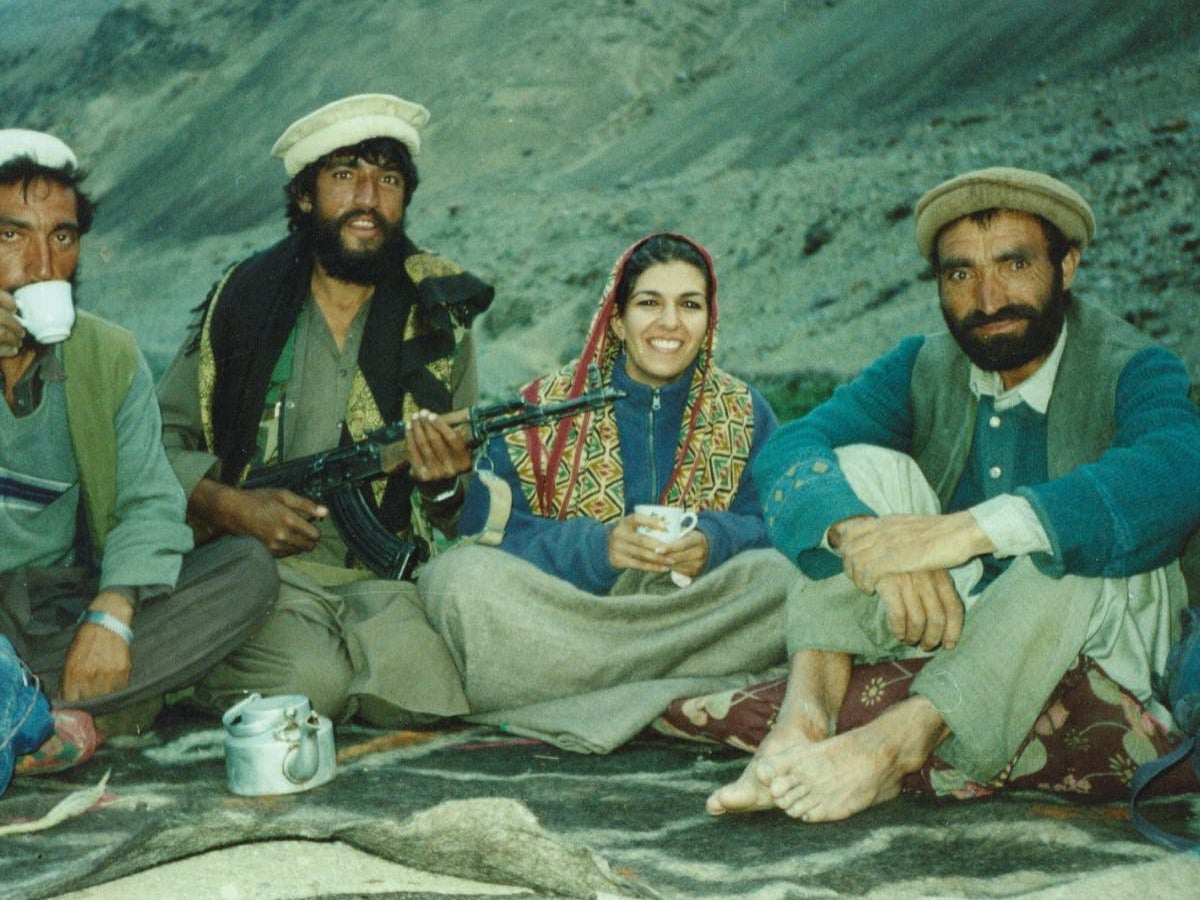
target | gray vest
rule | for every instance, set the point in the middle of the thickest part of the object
(1080, 421)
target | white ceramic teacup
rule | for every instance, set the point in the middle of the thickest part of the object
(46, 310)
(676, 522)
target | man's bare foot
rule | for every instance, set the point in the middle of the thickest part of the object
(752, 792)
(747, 794)
(846, 774)
(834, 779)
(816, 686)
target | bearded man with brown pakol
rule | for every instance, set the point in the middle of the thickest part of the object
(1001, 497)
(343, 326)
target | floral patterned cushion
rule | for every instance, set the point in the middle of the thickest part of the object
(1089, 739)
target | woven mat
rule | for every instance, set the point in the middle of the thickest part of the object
(482, 805)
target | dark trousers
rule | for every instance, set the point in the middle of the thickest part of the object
(225, 591)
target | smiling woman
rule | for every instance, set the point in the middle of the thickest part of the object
(581, 624)
(682, 436)
(663, 315)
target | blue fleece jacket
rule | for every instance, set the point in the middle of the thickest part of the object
(649, 422)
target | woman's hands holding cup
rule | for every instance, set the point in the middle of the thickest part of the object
(639, 541)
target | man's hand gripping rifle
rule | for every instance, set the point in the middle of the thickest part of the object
(341, 478)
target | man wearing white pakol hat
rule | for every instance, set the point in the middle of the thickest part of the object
(1001, 498)
(341, 327)
(100, 591)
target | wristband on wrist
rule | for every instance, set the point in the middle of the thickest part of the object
(109, 622)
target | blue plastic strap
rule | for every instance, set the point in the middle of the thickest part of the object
(1145, 774)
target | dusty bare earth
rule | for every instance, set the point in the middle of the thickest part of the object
(790, 136)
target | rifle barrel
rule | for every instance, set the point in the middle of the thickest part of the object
(384, 450)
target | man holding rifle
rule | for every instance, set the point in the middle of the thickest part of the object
(340, 328)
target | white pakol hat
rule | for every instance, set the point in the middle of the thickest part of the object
(346, 122)
(44, 149)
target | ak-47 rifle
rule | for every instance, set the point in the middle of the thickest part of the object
(340, 478)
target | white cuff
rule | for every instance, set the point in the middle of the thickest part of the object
(449, 494)
(1012, 526)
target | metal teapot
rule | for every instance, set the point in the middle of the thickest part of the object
(277, 745)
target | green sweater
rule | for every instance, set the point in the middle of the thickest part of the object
(133, 503)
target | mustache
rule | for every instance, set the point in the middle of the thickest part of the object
(1014, 313)
(361, 213)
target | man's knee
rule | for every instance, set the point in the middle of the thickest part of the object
(324, 679)
(237, 577)
(249, 570)
(886, 480)
(816, 599)
(833, 614)
(298, 650)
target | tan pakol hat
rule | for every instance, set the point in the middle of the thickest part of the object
(346, 122)
(1003, 188)
(44, 149)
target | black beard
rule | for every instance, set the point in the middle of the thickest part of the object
(366, 267)
(1004, 352)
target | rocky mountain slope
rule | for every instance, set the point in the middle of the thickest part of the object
(790, 136)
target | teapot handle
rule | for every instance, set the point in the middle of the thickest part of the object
(303, 757)
(236, 725)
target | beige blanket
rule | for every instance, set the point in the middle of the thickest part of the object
(542, 658)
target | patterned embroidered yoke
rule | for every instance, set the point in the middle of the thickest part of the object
(573, 467)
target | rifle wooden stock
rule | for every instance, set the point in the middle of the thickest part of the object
(394, 456)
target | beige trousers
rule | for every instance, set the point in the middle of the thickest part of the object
(587, 672)
(359, 648)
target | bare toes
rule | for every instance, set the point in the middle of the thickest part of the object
(746, 794)
(789, 798)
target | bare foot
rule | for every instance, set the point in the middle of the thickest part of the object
(846, 774)
(834, 779)
(747, 794)
(752, 791)
(816, 686)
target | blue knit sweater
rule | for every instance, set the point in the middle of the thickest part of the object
(1127, 512)
(649, 421)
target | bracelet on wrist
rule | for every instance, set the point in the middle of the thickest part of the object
(441, 497)
(109, 622)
